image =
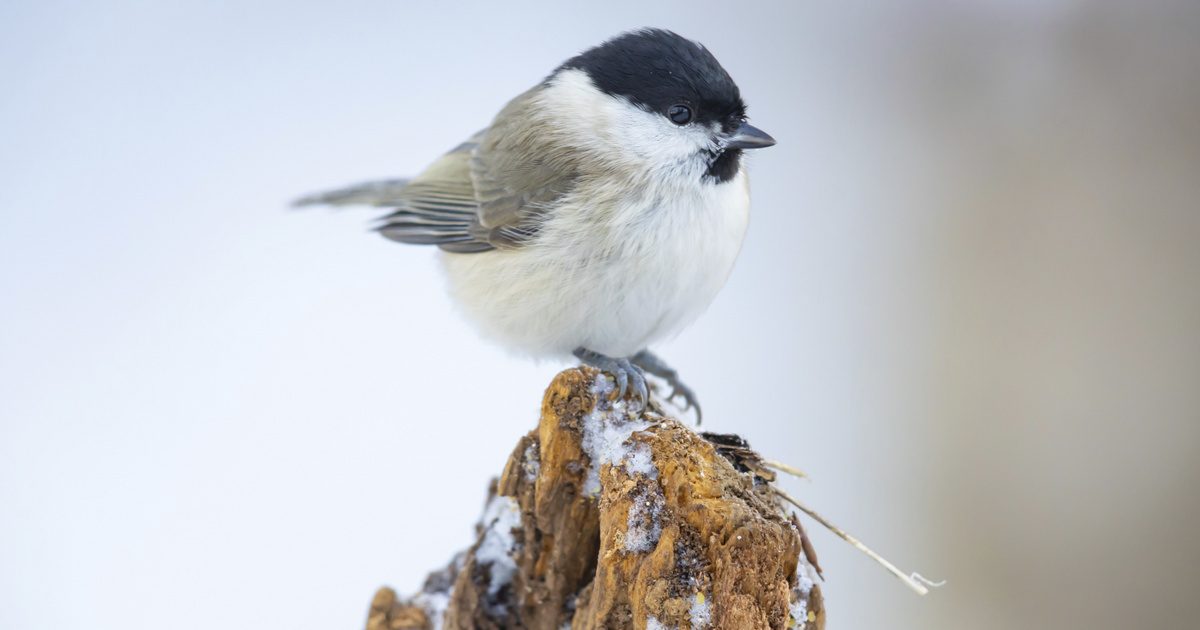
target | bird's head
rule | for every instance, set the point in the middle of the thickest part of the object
(652, 100)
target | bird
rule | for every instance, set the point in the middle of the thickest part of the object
(600, 212)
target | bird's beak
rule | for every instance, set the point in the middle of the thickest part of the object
(748, 136)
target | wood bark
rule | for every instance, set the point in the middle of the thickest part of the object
(682, 530)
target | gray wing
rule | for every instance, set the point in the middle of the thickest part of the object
(438, 207)
(490, 192)
(518, 175)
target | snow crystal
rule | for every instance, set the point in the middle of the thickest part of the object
(806, 585)
(531, 462)
(806, 576)
(799, 613)
(641, 461)
(501, 516)
(602, 387)
(606, 431)
(643, 526)
(434, 598)
(435, 605)
(701, 612)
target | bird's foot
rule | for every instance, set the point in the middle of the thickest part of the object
(624, 371)
(656, 366)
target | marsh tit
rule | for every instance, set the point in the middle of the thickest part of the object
(600, 212)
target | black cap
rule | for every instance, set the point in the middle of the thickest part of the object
(655, 69)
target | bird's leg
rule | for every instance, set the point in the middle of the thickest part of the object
(622, 369)
(656, 366)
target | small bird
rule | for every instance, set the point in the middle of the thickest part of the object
(600, 212)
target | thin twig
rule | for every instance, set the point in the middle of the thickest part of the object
(914, 581)
(782, 467)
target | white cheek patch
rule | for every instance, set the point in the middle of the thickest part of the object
(656, 139)
(615, 130)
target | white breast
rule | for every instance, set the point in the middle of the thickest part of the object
(608, 272)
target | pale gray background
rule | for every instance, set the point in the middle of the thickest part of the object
(968, 303)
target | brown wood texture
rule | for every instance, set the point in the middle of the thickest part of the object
(682, 530)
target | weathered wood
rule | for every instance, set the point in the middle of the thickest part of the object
(609, 518)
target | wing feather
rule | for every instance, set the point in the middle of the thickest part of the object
(492, 191)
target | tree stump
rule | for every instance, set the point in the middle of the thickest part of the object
(607, 516)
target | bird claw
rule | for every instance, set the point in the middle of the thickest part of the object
(625, 373)
(656, 366)
(641, 391)
(622, 381)
(630, 377)
(679, 390)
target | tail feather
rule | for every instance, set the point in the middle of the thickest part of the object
(422, 214)
(377, 193)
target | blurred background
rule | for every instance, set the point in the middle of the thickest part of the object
(968, 304)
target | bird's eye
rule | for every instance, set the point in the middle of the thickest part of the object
(680, 114)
